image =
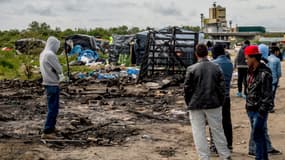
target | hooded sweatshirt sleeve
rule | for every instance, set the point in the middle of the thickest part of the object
(54, 63)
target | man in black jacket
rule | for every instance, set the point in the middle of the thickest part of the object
(242, 68)
(205, 92)
(259, 98)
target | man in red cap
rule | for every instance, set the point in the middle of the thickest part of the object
(258, 98)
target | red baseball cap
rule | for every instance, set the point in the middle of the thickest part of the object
(251, 50)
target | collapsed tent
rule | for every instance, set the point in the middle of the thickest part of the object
(85, 41)
(184, 43)
(83, 45)
(167, 51)
(29, 46)
(86, 56)
(139, 46)
(122, 45)
(134, 46)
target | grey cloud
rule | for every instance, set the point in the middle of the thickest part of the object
(72, 8)
(169, 11)
(265, 7)
(164, 9)
(76, 5)
(79, 6)
(100, 19)
(5, 1)
(123, 4)
(42, 11)
(142, 13)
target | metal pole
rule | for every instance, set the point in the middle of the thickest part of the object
(67, 64)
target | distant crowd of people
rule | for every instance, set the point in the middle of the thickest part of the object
(207, 96)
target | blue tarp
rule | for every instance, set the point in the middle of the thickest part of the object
(91, 55)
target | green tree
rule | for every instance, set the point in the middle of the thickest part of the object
(34, 26)
(192, 28)
(134, 30)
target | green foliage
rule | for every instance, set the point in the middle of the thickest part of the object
(192, 28)
(9, 65)
(6, 64)
(125, 59)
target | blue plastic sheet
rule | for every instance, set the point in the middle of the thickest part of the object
(91, 55)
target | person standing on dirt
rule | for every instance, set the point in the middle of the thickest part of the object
(51, 70)
(275, 66)
(272, 63)
(242, 68)
(205, 92)
(227, 67)
(259, 99)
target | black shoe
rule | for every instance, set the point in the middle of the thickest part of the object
(251, 154)
(274, 152)
(214, 151)
(49, 136)
(230, 148)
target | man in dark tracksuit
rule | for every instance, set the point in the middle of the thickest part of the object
(226, 65)
(242, 68)
(259, 98)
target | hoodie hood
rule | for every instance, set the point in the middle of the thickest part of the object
(52, 45)
(264, 50)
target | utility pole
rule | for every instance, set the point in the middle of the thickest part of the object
(231, 22)
(202, 23)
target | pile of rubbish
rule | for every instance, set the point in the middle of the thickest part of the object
(104, 72)
(29, 46)
(86, 49)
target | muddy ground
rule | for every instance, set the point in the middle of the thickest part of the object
(110, 121)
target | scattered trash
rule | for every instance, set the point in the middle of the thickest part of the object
(87, 56)
(6, 49)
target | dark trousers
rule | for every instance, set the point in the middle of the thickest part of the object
(274, 89)
(53, 107)
(227, 123)
(257, 123)
(242, 72)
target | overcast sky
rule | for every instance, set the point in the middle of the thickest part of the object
(142, 13)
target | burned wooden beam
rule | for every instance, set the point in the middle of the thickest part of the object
(93, 127)
(148, 116)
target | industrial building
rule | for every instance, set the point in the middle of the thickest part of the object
(216, 26)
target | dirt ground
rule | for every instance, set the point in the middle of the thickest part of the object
(134, 124)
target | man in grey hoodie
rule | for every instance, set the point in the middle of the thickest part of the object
(51, 70)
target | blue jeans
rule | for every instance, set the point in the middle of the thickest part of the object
(252, 147)
(53, 106)
(258, 123)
